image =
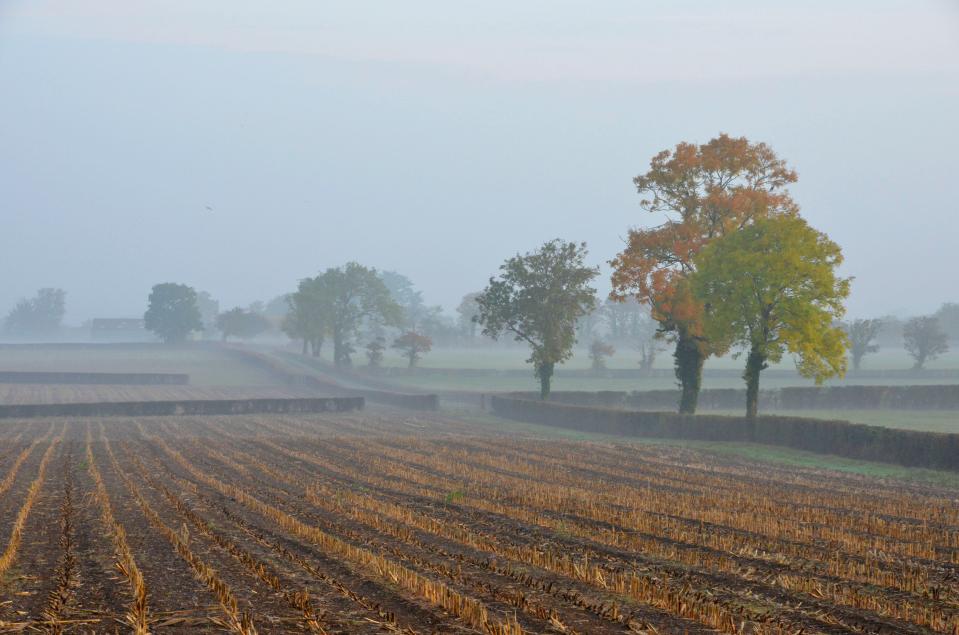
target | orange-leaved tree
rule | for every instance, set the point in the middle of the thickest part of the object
(704, 192)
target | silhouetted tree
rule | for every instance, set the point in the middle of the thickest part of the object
(538, 298)
(924, 339)
(241, 323)
(305, 317)
(209, 311)
(40, 315)
(172, 313)
(468, 309)
(374, 352)
(862, 335)
(598, 352)
(948, 316)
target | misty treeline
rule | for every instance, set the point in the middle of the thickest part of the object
(733, 268)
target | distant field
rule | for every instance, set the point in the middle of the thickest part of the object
(206, 366)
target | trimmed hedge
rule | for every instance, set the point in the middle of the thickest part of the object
(939, 397)
(872, 443)
(186, 407)
(127, 379)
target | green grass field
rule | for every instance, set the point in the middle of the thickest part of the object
(927, 420)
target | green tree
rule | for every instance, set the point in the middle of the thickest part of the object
(350, 295)
(771, 288)
(538, 298)
(240, 323)
(862, 335)
(172, 312)
(924, 339)
(305, 317)
(413, 345)
(40, 315)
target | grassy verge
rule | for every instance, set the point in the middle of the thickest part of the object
(748, 451)
(925, 420)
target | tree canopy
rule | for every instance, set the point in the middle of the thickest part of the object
(771, 288)
(924, 340)
(538, 298)
(349, 295)
(413, 345)
(862, 339)
(241, 323)
(705, 192)
(40, 315)
(172, 312)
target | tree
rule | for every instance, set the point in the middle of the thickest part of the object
(538, 298)
(948, 316)
(209, 311)
(468, 310)
(40, 315)
(629, 321)
(403, 292)
(350, 295)
(374, 352)
(772, 288)
(598, 352)
(706, 192)
(862, 335)
(305, 318)
(240, 323)
(173, 313)
(413, 346)
(924, 339)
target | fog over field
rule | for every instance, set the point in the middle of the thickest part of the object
(238, 147)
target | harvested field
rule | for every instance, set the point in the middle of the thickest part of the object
(381, 521)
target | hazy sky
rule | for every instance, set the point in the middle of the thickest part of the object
(438, 138)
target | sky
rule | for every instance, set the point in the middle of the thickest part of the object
(240, 146)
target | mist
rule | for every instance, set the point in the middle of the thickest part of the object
(239, 148)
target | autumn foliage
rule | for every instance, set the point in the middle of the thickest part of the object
(705, 192)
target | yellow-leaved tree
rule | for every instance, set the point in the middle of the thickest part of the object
(770, 288)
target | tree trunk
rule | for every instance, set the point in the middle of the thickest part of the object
(755, 364)
(689, 360)
(305, 344)
(545, 373)
(338, 349)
